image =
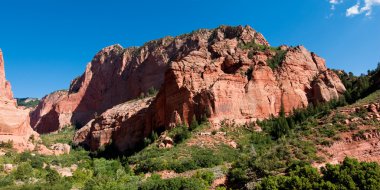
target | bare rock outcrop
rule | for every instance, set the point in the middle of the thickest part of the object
(227, 73)
(125, 120)
(114, 76)
(14, 122)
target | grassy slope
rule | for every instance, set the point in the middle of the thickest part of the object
(374, 97)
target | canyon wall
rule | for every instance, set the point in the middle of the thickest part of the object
(229, 73)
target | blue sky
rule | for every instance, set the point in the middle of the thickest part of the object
(47, 43)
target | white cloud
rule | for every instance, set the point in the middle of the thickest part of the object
(354, 10)
(366, 9)
(335, 1)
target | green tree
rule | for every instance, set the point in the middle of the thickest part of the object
(23, 172)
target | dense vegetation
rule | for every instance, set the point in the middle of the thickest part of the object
(34, 171)
(28, 102)
(358, 87)
(351, 174)
(181, 157)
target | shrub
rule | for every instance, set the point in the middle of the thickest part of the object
(152, 91)
(25, 156)
(8, 144)
(52, 176)
(36, 162)
(28, 104)
(81, 176)
(6, 180)
(205, 158)
(103, 167)
(237, 176)
(150, 165)
(23, 172)
(147, 141)
(184, 165)
(156, 183)
(194, 124)
(327, 131)
(253, 46)
(207, 176)
(275, 61)
(351, 174)
(180, 134)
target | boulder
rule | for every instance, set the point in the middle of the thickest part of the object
(60, 148)
(8, 168)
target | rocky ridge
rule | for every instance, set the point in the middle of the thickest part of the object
(229, 73)
(14, 122)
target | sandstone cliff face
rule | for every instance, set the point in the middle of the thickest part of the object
(56, 108)
(14, 122)
(127, 120)
(115, 75)
(5, 86)
(229, 73)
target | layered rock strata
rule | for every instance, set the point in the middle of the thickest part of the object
(229, 73)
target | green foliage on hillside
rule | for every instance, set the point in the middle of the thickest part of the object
(150, 93)
(351, 174)
(156, 183)
(27, 102)
(277, 59)
(254, 46)
(274, 61)
(280, 126)
(7, 145)
(284, 139)
(65, 135)
(181, 157)
(358, 87)
(34, 171)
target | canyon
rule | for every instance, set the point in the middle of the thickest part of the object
(219, 100)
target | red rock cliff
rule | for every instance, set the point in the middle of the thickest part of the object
(226, 73)
(14, 122)
(114, 76)
(5, 86)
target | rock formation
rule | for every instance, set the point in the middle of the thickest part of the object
(229, 73)
(5, 86)
(126, 120)
(115, 75)
(14, 122)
